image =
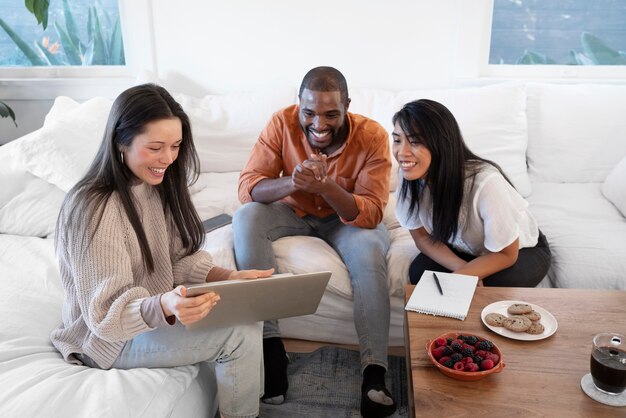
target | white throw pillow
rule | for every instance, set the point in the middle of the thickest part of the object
(614, 186)
(62, 150)
(575, 132)
(493, 123)
(29, 206)
(226, 127)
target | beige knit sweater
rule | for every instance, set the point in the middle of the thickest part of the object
(106, 282)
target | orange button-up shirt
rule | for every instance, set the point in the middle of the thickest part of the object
(360, 166)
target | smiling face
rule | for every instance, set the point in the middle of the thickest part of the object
(154, 150)
(411, 153)
(322, 117)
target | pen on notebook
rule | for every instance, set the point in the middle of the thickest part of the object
(438, 284)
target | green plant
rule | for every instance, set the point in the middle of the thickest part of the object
(7, 112)
(594, 52)
(101, 46)
(39, 8)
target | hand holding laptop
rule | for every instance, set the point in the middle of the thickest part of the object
(250, 274)
(273, 297)
(187, 310)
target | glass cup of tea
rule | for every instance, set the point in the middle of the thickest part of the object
(608, 363)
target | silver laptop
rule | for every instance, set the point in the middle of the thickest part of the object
(275, 297)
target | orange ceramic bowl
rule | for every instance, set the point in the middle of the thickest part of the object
(458, 374)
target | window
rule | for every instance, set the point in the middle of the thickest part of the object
(558, 32)
(78, 33)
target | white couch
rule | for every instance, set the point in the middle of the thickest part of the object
(563, 146)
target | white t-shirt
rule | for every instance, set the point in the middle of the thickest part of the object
(492, 215)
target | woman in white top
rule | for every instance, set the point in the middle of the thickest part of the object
(461, 210)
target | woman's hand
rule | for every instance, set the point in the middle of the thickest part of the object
(187, 309)
(250, 274)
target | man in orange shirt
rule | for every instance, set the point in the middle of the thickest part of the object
(321, 171)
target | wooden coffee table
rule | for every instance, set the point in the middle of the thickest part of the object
(540, 378)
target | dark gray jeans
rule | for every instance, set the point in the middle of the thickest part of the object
(530, 268)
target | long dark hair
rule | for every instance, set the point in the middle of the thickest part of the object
(131, 111)
(451, 164)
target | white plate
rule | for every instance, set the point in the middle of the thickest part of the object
(547, 320)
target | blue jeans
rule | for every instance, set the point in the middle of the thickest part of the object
(237, 354)
(363, 251)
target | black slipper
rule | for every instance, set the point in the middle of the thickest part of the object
(371, 409)
(275, 363)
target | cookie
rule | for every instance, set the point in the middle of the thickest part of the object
(517, 323)
(533, 316)
(495, 319)
(519, 309)
(535, 328)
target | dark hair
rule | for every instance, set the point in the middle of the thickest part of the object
(325, 79)
(452, 162)
(133, 109)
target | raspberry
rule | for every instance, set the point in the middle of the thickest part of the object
(459, 366)
(440, 342)
(471, 367)
(486, 364)
(493, 357)
(437, 352)
(467, 360)
(481, 353)
(443, 359)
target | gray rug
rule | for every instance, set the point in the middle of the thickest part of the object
(327, 383)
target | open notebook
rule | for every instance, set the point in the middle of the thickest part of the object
(458, 291)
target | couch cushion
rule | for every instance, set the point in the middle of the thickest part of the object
(225, 127)
(493, 122)
(29, 206)
(575, 132)
(614, 187)
(585, 232)
(62, 150)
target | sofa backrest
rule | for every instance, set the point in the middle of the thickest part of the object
(577, 133)
(492, 120)
(225, 127)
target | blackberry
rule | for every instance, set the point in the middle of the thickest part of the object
(447, 351)
(456, 357)
(449, 363)
(471, 340)
(477, 359)
(484, 345)
(461, 337)
(456, 346)
(449, 340)
(467, 352)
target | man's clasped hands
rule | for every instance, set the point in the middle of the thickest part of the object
(310, 176)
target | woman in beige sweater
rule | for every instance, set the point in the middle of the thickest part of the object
(127, 237)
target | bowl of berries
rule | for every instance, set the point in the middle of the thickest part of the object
(465, 357)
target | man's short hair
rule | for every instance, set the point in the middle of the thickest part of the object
(325, 79)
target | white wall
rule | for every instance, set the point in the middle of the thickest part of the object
(219, 46)
(242, 45)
